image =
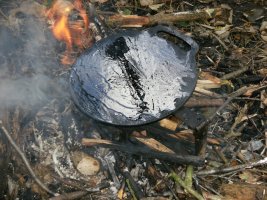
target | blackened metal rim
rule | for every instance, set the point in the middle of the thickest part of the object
(155, 29)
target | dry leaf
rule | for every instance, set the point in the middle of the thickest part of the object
(250, 91)
(263, 71)
(156, 6)
(121, 194)
(213, 141)
(248, 177)
(263, 30)
(224, 31)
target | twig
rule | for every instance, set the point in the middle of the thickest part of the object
(134, 186)
(131, 189)
(179, 181)
(220, 41)
(201, 141)
(221, 155)
(158, 176)
(203, 102)
(3, 14)
(238, 119)
(145, 151)
(229, 99)
(112, 171)
(70, 196)
(235, 73)
(247, 98)
(234, 168)
(208, 93)
(24, 159)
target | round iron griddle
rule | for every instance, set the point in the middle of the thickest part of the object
(135, 77)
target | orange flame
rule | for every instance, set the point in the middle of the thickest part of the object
(70, 32)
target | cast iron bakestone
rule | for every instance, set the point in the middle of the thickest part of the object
(135, 77)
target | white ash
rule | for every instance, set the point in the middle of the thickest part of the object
(50, 145)
(113, 188)
(69, 135)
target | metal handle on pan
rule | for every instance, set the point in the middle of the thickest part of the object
(160, 28)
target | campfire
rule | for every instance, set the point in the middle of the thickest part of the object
(74, 33)
(63, 136)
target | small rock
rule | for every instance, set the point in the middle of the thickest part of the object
(88, 165)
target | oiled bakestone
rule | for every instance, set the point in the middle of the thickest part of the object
(133, 78)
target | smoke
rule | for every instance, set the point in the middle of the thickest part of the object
(25, 91)
(28, 62)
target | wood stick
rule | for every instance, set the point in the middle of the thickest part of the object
(236, 73)
(24, 159)
(207, 93)
(229, 99)
(139, 21)
(234, 168)
(203, 102)
(144, 151)
(3, 14)
(201, 142)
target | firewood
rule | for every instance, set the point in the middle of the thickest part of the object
(144, 151)
(139, 21)
(168, 124)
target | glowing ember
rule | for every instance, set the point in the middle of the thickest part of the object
(73, 33)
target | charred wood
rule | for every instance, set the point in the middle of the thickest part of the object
(144, 151)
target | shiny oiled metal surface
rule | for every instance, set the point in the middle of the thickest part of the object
(134, 77)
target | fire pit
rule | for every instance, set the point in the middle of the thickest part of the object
(54, 134)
